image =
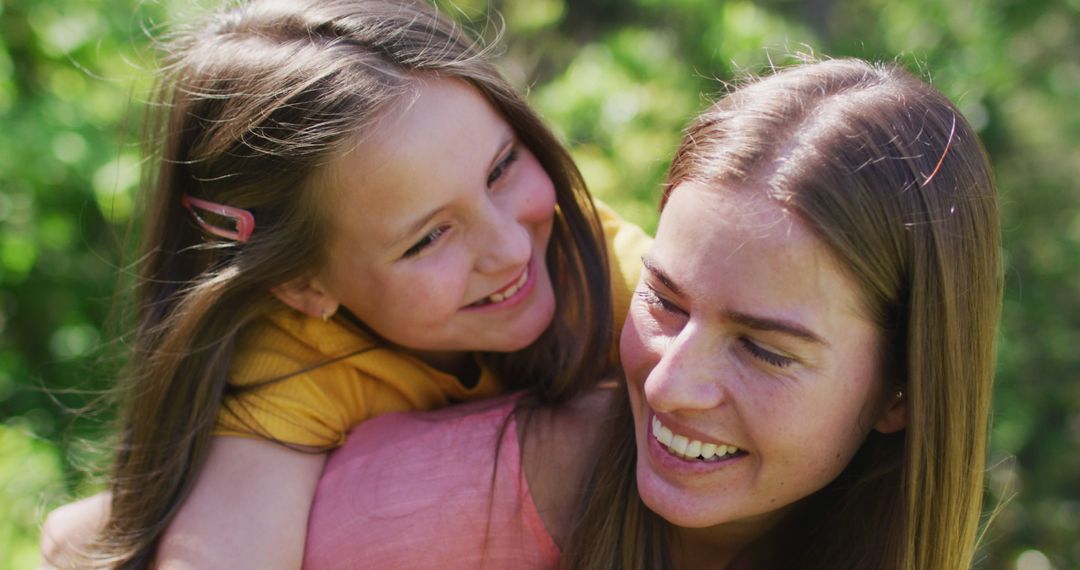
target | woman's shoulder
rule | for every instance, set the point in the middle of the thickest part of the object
(447, 488)
(432, 489)
(559, 449)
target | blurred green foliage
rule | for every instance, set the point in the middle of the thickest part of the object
(618, 79)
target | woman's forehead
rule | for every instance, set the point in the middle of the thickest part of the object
(733, 248)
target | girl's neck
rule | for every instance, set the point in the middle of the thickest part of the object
(461, 365)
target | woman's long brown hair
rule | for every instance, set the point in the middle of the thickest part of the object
(892, 179)
(250, 103)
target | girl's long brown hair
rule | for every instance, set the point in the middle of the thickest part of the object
(250, 104)
(889, 175)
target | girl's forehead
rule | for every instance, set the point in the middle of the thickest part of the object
(442, 142)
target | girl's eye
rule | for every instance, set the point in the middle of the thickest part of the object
(424, 242)
(766, 356)
(503, 165)
(657, 302)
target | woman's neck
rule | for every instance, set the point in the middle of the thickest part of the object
(729, 546)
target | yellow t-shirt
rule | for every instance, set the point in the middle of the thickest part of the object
(350, 377)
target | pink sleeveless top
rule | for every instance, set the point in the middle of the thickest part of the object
(427, 490)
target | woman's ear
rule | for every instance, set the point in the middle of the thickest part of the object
(895, 415)
(307, 295)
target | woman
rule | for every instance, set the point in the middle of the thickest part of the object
(808, 362)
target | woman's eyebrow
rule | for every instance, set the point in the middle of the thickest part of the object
(747, 320)
(654, 268)
(771, 324)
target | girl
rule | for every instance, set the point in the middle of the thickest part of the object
(808, 361)
(354, 214)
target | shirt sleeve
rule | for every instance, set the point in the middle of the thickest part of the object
(313, 408)
(301, 381)
(294, 379)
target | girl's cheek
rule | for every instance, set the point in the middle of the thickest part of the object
(442, 280)
(539, 190)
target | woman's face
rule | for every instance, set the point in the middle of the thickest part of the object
(752, 373)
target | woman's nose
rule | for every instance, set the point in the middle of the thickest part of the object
(691, 374)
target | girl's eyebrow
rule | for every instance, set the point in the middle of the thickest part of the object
(769, 324)
(418, 225)
(505, 141)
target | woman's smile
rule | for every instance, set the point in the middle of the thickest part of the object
(691, 449)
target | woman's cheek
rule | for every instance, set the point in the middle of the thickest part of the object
(638, 342)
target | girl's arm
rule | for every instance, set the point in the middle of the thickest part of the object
(249, 508)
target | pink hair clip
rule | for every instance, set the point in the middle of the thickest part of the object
(245, 222)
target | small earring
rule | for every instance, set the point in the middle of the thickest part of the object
(899, 394)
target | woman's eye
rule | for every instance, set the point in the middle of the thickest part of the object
(656, 301)
(424, 242)
(501, 168)
(766, 356)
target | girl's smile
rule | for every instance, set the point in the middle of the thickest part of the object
(510, 295)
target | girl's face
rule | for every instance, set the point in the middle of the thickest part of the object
(752, 374)
(440, 223)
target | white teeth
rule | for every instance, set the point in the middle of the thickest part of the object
(678, 444)
(661, 433)
(509, 292)
(665, 436)
(687, 448)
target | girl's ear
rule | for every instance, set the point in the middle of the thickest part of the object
(895, 415)
(307, 295)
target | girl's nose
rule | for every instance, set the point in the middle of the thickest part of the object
(691, 374)
(501, 242)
